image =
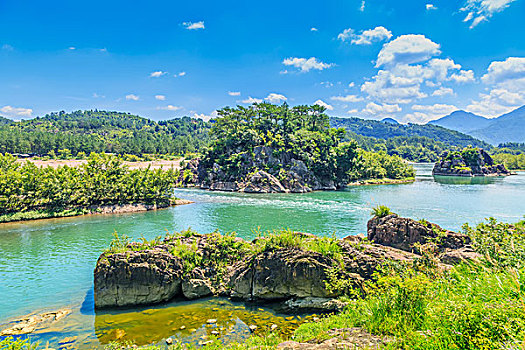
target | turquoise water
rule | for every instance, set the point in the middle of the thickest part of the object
(49, 264)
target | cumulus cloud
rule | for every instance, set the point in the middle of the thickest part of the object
(194, 25)
(252, 100)
(15, 112)
(506, 80)
(430, 7)
(275, 98)
(365, 37)
(443, 91)
(234, 93)
(170, 108)
(362, 7)
(406, 49)
(160, 97)
(206, 117)
(181, 74)
(424, 113)
(306, 64)
(481, 10)
(157, 74)
(313, 29)
(374, 109)
(323, 104)
(132, 97)
(347, 98)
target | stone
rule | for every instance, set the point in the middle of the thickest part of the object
(30, 323)
(169, 341)
(454, 257)
(196, 288)
(481, 165)
(309, 304)
(252, 328)
(211, 321)
(345, 338)
(404, 233)
(137, 277)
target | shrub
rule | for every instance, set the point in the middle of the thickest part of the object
(381, 211)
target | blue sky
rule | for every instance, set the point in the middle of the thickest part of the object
(411, 60)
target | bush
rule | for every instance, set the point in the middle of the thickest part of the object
(381, 211)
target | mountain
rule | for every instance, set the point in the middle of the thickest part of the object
(381, 130)
(4, 121)
(390, 120)
(509, 127)
(462, 121)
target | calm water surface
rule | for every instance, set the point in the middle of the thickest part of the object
(49, 264)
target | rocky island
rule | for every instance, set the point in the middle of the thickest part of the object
(469, 162)
(300, 270)
(266, 148)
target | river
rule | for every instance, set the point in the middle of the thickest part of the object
(48, 264)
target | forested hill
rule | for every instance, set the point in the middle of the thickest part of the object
(102, 131)
(381, 130)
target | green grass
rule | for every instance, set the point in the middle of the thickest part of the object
(381, 211)
(41, 214)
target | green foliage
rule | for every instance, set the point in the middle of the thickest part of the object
(102, 180)
(10, 343)
(68, 134)
(301, 132)
(379, 165)
(381, 211)
(190, 255)
(511, 161)
(502, 244)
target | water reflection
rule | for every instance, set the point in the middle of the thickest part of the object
(467, 180)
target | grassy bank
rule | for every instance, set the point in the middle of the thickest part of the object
(421, 305)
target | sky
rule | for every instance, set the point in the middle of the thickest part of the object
(414, 61)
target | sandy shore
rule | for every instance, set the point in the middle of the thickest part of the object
(55, 163)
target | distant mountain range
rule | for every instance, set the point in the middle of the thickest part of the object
(508, 127)
(386, 129)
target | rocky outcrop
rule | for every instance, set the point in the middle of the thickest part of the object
(263, 270)
(340, 338)
(31, 323)
(137, 277)
(470, 162)
(262, 171)
(405, 233)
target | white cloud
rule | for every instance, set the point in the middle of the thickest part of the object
(234, 93)
(71, 48)
(275, 98)
(324, 104)
(306, 64)
(206, 117)
(351, 84)
(16, 112)
(352, 111)
(464, 76)
(132, 97)
(435, 108)
(443, 91)
(374, 109)
(157, 74)
(411, 48)
(347, 98)
(366, 37)
(160, 97)
(513, 68)
(362, 7)
(481, 10)
(181, 74)
(252, 100)
(194, 25)
(95, 95)
(170, 108)
(430, 7)
(506, 80)
(313, 29)
(388, 87)
(326, 84)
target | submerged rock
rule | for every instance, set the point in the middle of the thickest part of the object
(30, 323)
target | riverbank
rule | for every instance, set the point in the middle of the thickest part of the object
(55, 163)
(93, 210)
(382, 181)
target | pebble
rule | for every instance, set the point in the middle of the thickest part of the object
(182, 327)
(211, 321)
(68, 340)
(215, 332)
(169, 341)
(252, 328)
(273, 327)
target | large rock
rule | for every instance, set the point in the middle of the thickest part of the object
(481, 164)
(404, 233)
(282, 274)
(137, 277)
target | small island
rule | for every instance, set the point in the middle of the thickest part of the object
(267, 148)
(468, 162)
